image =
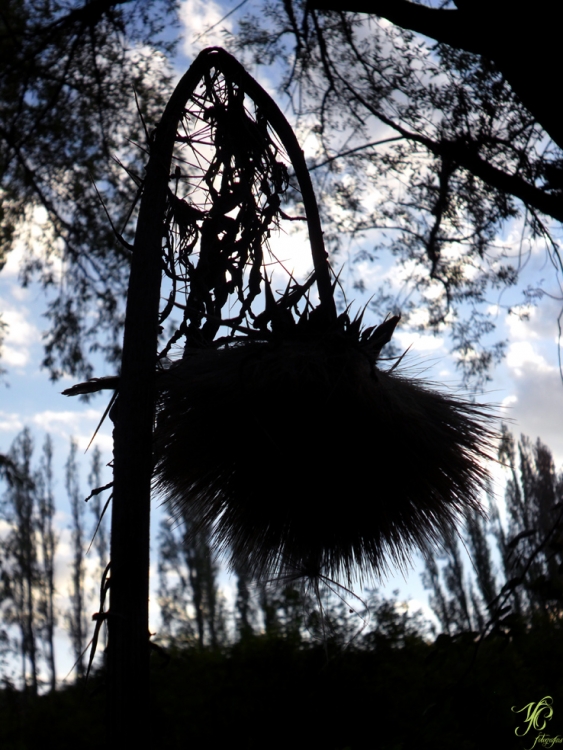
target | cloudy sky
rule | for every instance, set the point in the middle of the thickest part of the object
(527, 386)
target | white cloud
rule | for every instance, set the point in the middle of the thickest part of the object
(80, 424)
(15, 357)
(541, 322)
(20, 337)
(521, 354)
(67, 418)
(10, 422)
(413, 606)
(536, 404)
(508, 403)
(197, 16)
(14, 261)
(19, 293)
(520, 328)
(294, 251)
(418, 342)
(31, 242)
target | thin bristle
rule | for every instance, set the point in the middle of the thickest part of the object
(304, 456)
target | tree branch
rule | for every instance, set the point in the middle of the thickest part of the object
(445, 26)
(524, 47)
(466, 155)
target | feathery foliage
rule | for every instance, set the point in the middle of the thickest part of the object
(424, 152)
(70, 76)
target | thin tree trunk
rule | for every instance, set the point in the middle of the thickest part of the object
(133, 415)
(48, 545)
(30, 633)
(78, 625)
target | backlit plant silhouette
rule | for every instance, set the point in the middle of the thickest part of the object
(265, 417)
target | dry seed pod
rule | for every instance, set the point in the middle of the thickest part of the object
(302, 455)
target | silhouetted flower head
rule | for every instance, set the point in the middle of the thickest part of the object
(305, 455)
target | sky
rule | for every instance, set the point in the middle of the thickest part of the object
(527, 386)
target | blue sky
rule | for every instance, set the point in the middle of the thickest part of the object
(527, 385)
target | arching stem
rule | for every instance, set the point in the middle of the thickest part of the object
(128, 671)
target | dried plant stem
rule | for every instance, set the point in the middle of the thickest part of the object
(128, 682)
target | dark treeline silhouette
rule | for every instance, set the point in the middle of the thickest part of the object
(77, 624)
(27, 562)
(30, 549)
(354, 668)
(528, 583)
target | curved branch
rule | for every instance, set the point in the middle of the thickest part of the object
(446, 26)
(466, 155)
(524, 47)
(355, 150)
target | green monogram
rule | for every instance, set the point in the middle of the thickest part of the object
(534, 715)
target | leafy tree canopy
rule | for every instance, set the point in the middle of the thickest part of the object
(69, 73)
(435, 145)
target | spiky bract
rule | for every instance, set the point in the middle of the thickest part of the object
(304, 456)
